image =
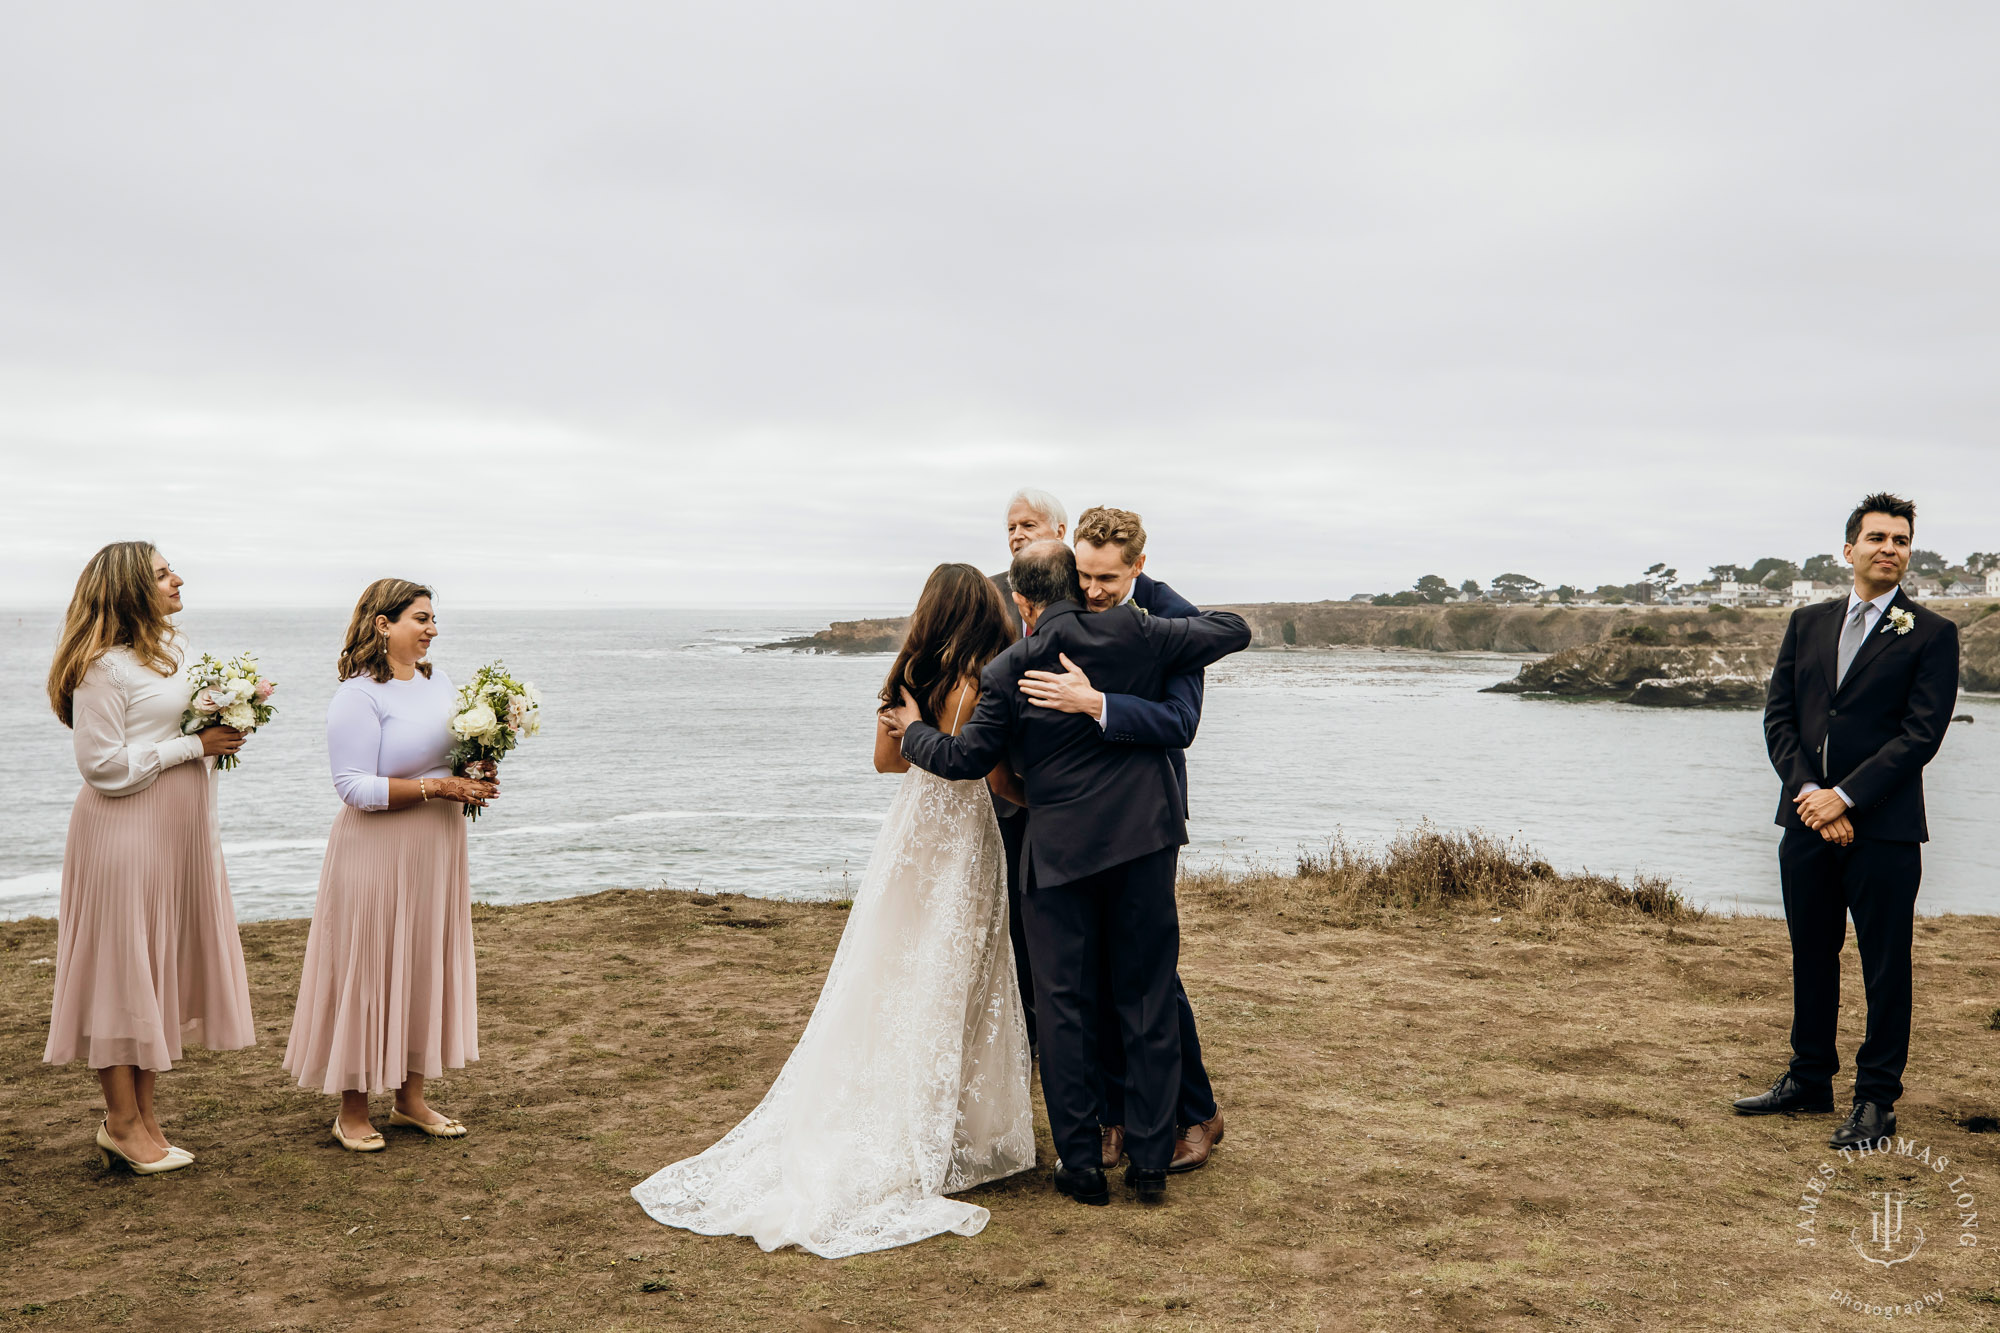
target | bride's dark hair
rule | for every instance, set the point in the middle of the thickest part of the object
(960, 625)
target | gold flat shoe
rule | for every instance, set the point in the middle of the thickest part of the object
(108, 1152)
(444, 1129)
(367, 1143)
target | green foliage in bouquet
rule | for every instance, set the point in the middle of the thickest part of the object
(230, 693)
(495, 713)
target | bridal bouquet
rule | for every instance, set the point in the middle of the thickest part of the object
(228, 694)
(495, 714)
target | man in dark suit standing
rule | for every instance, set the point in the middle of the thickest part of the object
(1100, 855)
(1110, 550)
(1858, 704)
(1032, 516)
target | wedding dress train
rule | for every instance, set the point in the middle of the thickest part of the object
(911, 1081)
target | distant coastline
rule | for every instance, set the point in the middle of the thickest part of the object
(1713, 655)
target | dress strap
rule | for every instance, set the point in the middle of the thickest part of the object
(958, 712)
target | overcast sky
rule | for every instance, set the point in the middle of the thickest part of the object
(680, 304)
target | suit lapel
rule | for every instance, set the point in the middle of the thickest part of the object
(1877, 640)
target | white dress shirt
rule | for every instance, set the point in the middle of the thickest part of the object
(126, 720)
(1868, 624)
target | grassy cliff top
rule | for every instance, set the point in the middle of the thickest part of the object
(1436, 1120)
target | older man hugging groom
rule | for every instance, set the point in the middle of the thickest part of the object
(1101, 845)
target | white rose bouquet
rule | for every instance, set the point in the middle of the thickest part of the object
(228, 694)
(495, 714)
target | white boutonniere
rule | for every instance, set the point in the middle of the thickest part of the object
(1902, 620)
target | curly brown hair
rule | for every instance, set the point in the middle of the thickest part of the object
(960, 625)
(367, 651)
(1103, 526)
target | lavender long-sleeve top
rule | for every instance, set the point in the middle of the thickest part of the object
(382, 729)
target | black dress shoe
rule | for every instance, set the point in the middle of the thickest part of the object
(1787, 1095)
(1866, 1123)
(1148, 1182)
(1085, 1185)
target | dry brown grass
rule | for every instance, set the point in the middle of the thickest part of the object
(1429, 871)
(1435, 1121)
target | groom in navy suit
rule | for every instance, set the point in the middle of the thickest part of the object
(1859, 703)
(1110, 560)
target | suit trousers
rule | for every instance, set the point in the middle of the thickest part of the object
(1876, 881)
(1014, 837)
(1130, 905)
(1197, 1096)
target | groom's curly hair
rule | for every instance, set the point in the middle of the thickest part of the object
(1102, 525)
(1895, 506)
(960, 625)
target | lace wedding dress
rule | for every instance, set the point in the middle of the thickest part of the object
(911, 1081)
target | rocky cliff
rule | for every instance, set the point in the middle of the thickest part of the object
(1669, 656)
(1640, 673)
(1653, 662)
(849, 636)
(1979, 650)
(1445, 629)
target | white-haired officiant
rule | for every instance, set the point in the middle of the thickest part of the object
(1032, 516)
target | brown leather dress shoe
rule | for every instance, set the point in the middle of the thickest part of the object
(1112, 1138)
(1192, 1148)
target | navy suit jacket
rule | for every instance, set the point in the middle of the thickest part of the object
(1171, 720)
(1092, 805)
(1872, 736)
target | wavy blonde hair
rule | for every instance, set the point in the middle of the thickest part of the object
(1102, 525)
(366, 652)
(117, 604)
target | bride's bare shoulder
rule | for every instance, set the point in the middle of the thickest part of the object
(958, 706)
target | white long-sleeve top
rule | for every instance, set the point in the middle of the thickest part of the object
(382, 729)
(126, 723)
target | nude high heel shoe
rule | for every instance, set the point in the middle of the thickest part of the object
(107, 1151)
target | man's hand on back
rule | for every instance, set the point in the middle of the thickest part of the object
(1067, 692)
(898, 720)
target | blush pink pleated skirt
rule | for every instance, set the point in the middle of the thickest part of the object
(388, 986)
(147, 956)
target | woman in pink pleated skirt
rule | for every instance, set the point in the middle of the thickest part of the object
(387, 996)
(147, 956)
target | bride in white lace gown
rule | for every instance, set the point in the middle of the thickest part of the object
(911, 1081)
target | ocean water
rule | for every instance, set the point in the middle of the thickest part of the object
(674, 753)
